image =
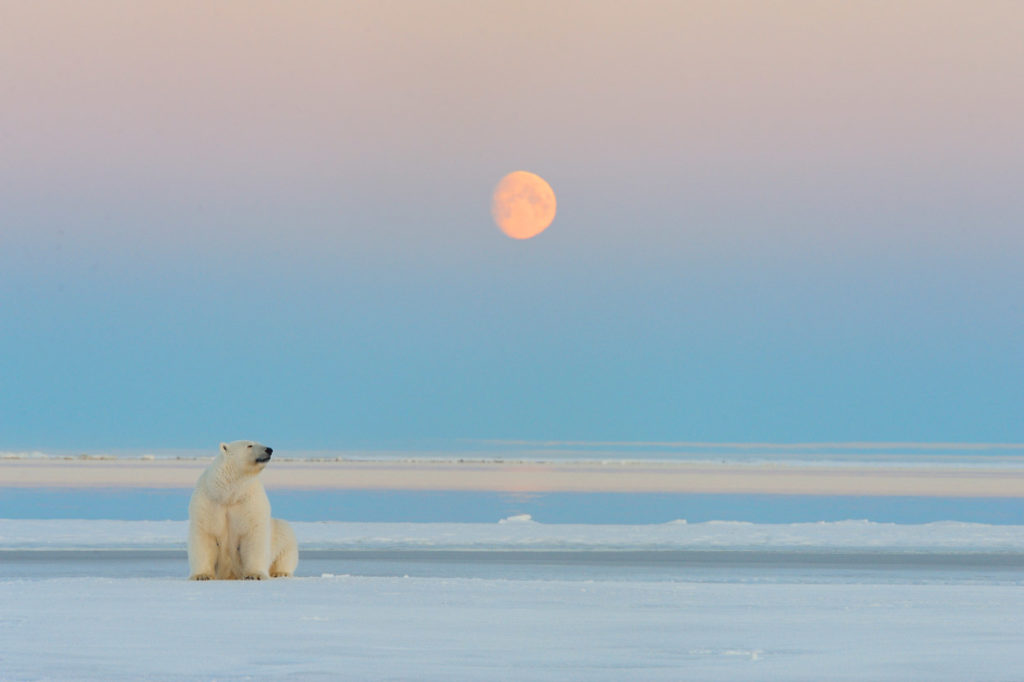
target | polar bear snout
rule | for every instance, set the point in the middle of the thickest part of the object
(265, 457)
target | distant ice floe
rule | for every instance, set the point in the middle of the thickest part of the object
(519, 518)
(461, 451)
(103, 456)
(35, 454)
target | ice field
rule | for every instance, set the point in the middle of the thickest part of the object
(413, 583)
(529, 629)
(522, 600)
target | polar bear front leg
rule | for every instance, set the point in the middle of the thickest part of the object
(254, 551)
(202, 554)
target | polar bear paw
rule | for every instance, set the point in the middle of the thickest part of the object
(255, 576)
(201, 576)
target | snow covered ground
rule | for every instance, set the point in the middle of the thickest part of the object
(468, 629)
(524, 601)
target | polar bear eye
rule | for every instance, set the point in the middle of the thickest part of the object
(250, 447)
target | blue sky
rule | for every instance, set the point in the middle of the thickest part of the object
(282, 231)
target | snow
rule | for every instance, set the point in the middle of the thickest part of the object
(521, 532)
(101, 616)
(464, 629)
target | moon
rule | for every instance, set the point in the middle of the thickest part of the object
(523, 205)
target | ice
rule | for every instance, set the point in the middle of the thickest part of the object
(518, 518)
(521, 532)
(465, 629)
(901, 455)
(375, 610)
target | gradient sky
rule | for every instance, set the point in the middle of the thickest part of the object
(777, 221)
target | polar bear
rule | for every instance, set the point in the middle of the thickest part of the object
(230, 532)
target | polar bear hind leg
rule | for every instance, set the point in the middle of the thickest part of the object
(202, 554)
(284, 550)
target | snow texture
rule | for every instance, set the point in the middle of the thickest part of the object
(458, 629)
(844, 623)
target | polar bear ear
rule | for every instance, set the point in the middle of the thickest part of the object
(224, 448)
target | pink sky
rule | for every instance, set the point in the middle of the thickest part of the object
(777, 221)
(315, 94)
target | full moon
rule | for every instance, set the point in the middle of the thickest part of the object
(523, 205)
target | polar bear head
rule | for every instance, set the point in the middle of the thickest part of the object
(246, 454)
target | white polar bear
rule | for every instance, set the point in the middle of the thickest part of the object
(230, 532)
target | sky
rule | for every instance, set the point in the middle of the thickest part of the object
(777, 222)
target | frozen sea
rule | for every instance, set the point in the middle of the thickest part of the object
(522, 600)
(407, 585)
